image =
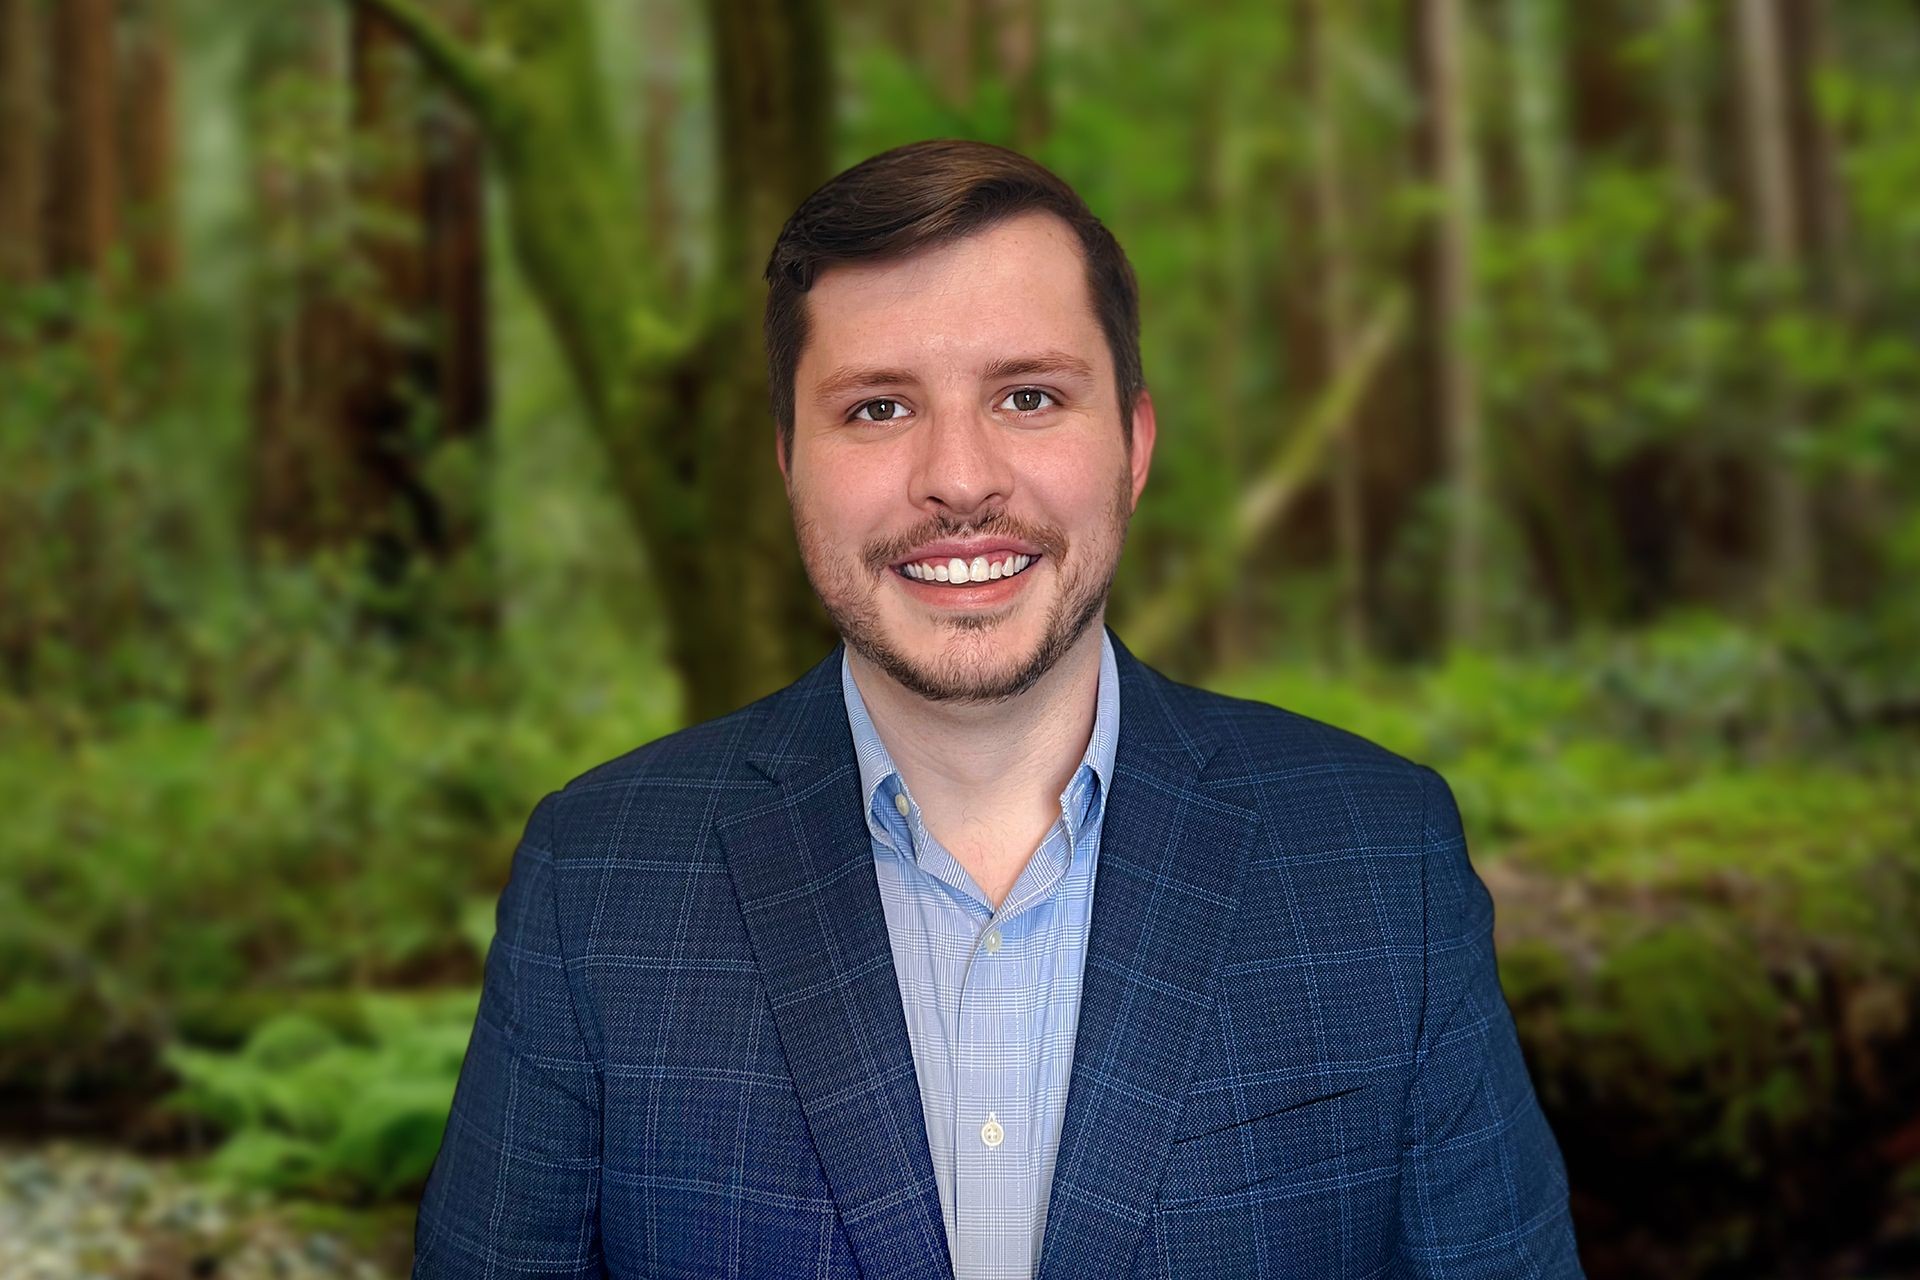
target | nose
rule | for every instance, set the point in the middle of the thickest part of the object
(961, 464)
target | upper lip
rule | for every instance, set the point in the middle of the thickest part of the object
(988, 547)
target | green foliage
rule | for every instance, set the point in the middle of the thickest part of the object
(312, 1112)
(342, 832)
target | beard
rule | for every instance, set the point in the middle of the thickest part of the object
(969, 669)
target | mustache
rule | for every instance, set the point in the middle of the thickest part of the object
(1049, 538)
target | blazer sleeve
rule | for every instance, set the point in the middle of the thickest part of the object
(515, 1188)
(1483, 1189)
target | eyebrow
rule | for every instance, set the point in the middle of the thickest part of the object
(850, 378)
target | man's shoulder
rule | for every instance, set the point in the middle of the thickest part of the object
(1264, 737)
(689, 766)
(708, 752)
(1341, 818)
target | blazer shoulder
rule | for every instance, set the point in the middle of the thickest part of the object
(706, 752)
(1265, 737)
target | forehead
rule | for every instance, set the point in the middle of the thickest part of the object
(1017, 285)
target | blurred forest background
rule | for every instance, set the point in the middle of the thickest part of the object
(383, 441)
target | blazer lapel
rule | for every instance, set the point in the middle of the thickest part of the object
(802, 865)
(1172, 857)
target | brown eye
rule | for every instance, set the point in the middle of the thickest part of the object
(1028, 400)
(878, 410)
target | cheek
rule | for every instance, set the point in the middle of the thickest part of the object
(844, 510)
(1079, 496)
(869, 485)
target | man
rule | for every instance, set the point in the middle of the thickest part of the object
(983, 949)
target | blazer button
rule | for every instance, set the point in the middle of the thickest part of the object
(991, 1133)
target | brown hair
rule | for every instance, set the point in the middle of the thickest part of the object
(923, 194)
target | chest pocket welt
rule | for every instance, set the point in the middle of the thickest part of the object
(1315, 1142)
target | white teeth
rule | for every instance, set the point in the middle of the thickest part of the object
(979, 569)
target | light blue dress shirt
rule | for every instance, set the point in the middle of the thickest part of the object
(992, 998)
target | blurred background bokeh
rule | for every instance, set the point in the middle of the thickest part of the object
(383, 442)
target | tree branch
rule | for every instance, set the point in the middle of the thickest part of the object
(1156, 623)
(450, 58)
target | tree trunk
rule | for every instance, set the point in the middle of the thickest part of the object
(1017, 48)
(1548, 467)
(664, 106)
(1321, 24)
(23, 143)
(1774, 224)
(1683, 134)
(81, 233)
(150, 152)
(23, 154)
(1819, 195)
(1440, 48)
(1853, 516)
(773, 88)
(83, 219)
(306, 490)
(417, 377)
(951, 38)
(1686, 27)
(1226, 633)
(454, 234)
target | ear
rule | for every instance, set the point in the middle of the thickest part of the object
(780, 456)
(1143, 436)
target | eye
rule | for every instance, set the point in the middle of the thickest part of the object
(880, 411)
(1028, 400)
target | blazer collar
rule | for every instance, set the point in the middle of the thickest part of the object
(1172, 857)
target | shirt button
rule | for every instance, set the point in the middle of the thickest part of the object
(900, 803)
(991, 1133)
(993, 941)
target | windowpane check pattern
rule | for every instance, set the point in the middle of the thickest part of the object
(992, 998)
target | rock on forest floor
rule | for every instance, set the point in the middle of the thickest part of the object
(76, 1213)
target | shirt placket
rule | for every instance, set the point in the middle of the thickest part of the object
(997, 1125)
(991, 1132)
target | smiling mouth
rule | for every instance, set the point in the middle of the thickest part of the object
(958, 572)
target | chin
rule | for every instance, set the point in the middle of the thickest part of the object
(973, 658)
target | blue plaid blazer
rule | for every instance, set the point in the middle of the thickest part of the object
(1293, 1056)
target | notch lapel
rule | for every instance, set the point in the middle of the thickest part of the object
(802, 865)
(1166, 895)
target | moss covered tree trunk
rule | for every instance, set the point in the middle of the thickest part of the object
(677, 396)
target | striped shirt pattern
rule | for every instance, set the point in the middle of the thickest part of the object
(992, 998)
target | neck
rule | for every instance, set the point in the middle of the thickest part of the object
(1023, 749)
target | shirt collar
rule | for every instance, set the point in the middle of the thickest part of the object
(876, 765)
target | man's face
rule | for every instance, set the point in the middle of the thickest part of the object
(958, 407)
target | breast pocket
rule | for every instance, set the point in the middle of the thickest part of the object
(1325, 1140)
